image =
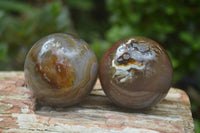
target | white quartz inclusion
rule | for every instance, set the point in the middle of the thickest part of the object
(122, 71)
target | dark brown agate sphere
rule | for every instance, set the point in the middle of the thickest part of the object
(60, 70)
(136, 73)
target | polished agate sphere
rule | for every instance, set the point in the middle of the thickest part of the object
(60, 70)
(136, 73)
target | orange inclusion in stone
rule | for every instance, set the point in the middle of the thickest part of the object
(130, 61)
(56, 72)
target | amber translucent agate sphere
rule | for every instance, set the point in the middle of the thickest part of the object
(136, 73)
(60, 70)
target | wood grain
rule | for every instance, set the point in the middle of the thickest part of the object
(20, 113)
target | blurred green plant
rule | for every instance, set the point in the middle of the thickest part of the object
(197, 126)
(22, 24)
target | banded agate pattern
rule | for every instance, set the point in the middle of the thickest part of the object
(60, 69)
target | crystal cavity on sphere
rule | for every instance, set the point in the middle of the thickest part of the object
(136, 73)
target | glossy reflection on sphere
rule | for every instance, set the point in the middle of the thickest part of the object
(60, 70)
(136, 73)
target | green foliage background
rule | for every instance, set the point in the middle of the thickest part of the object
(173, 24)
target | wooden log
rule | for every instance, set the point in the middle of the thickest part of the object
(20, 113)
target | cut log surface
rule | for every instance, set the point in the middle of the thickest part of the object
(96, 114)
